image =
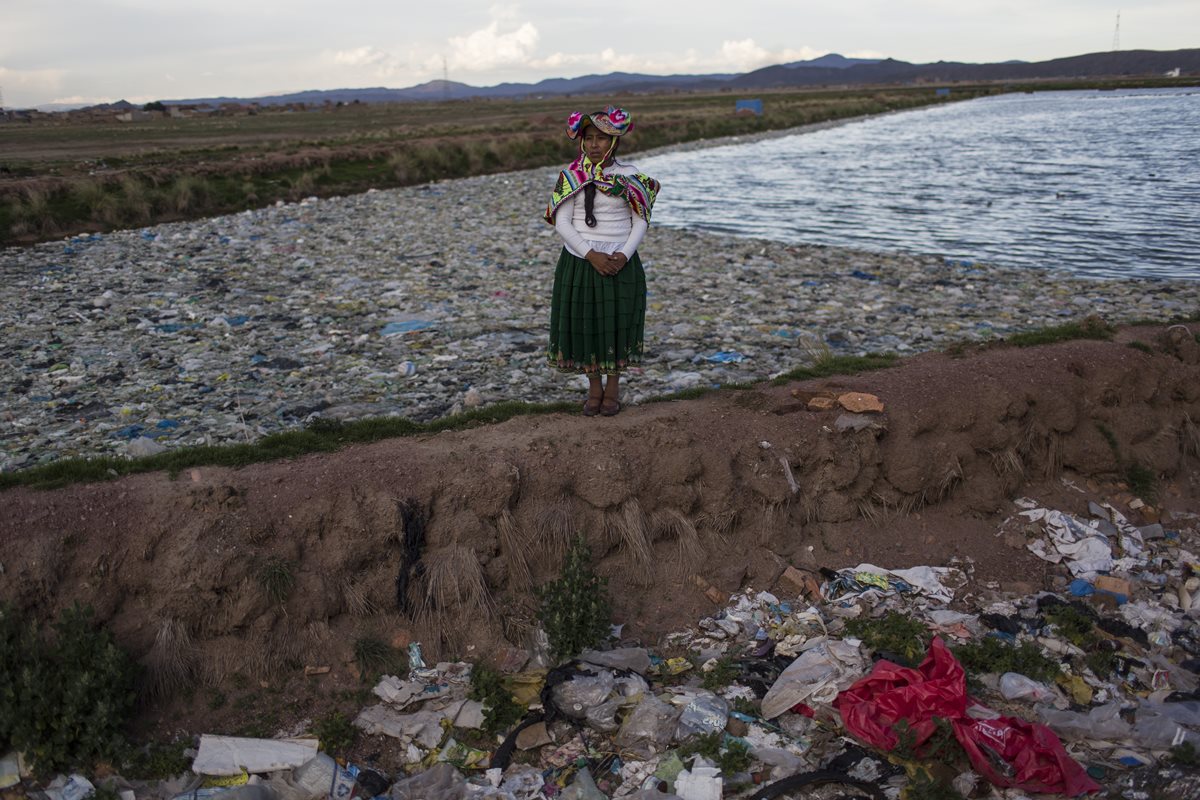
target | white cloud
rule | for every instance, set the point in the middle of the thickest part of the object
(744, 55)
(32, 80)
(359, 56)
(488, 48)
(740, 55)
(365, 61)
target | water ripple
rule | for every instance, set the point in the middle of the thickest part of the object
(1104, 184)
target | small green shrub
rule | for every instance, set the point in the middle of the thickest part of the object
(276, 577)
(731, 755)
(500, 711)
(336, 733)
(64, 697)
(156, 761)
(748, 707)
(893, 633)
(1140, 345)
(1072, 624)
(574, 608)
(1185, 755)
(990, 654)
(723, 673)
(1142, 481)
(374, 656)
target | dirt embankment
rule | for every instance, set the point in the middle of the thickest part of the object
(442, 538)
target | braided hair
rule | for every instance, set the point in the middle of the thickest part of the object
(589, 192)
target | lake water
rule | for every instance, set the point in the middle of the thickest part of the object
(1104, 184)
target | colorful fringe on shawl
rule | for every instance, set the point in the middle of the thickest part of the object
(638, 190)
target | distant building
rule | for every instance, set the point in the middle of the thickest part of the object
(1172, 73)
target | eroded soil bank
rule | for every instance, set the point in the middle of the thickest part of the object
(262, 571)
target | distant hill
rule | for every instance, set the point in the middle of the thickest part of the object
(831, 69)
(1094, 65)
(831, 61)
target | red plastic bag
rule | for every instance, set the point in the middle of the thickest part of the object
(1008, 751)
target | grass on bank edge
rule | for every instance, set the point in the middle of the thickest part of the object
(324, 436)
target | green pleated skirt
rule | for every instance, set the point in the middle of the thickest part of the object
(597, 322)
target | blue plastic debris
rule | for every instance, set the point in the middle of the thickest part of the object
(129, 432)
(1081, 588)
(726, 357)
(864, 276)
(167, 424)
(392, 328)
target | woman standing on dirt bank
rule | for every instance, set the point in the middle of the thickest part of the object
(601, 209)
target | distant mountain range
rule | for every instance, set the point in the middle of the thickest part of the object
(831, 70)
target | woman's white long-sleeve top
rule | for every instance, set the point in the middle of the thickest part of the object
(617, 227)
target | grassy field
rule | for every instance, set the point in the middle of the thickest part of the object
(59, 177)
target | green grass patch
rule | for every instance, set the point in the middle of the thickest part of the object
(894, 633)
(374, 657)
(156, 761)
(1111, 438)
(277, 577)
(322, 436)
(500, 711)
(1185, 755)
(1140, 345)
(1073, 625)
(1142, 481)
(730, 754)
(991, 654)
(336, 733)
(1088, 328)
(723, 673)
(829, 365)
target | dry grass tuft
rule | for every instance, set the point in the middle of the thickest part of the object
(513, 545)
(626, 527)
(1189, 437)
(171, 662)
(670, 524)
(1038, 443)
(316, 638)
(1054, 454)
(952, 477)
(519, 621)
(768, 521)
(1008, 464)
(720, 523)
(454, 580)
(358, 602)
(555, 528)
(232, 654)
(868, 511)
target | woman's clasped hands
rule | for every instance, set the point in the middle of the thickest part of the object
(607, 264)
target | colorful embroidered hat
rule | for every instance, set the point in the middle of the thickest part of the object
(612, 121)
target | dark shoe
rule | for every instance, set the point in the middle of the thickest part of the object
(610, 408)
(591, 407)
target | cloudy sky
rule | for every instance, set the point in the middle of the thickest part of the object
(84, 51)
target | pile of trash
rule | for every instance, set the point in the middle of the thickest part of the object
(406, 302)
(879, 682)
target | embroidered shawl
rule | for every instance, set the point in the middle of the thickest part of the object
(638, 190)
